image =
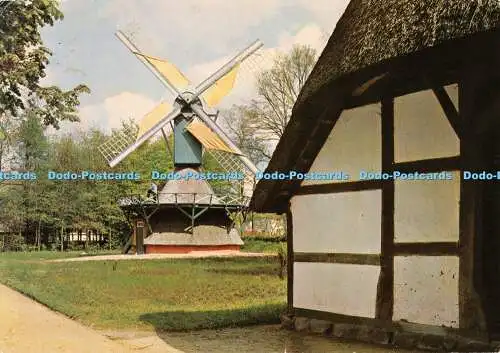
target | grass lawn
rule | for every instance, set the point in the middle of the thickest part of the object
(176, 294)
(259, 245)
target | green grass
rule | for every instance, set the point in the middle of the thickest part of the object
(260, 245)
(173, 295)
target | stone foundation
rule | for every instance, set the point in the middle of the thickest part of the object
(397, 336)
(180, 249)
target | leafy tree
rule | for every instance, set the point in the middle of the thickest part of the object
(278, 89)
(243, 129)
(23, 60)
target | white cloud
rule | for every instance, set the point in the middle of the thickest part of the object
(126, 105)
(326, 12)
(50, 77)
(110, 113)
(312, 35)
(151, 23)
(245, 87)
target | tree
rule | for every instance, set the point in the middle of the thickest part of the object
(23, 60)
(242, 127)
(278, 89)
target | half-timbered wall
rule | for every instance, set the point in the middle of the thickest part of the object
(331, 227)
(352, 146)
(421, 128)
(426, 212)
(336, 288)
(383, 249)
(338, 223)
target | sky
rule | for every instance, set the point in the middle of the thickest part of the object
(196, 36)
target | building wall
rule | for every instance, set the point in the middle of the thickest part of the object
(336, 288)
(337, 223)
(353, 145)
(421, 129)
(345, 223)
(425, 287)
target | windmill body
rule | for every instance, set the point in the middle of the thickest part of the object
(187, 214)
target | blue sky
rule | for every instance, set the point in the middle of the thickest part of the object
(197, 36)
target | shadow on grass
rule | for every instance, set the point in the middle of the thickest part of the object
(181, 321)
(191, 331)
(255, 271)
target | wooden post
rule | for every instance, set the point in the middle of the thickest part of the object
(290, 259)
(140, 237)
(62, 238)
(385, 287)
(39, 234)
(471, 314)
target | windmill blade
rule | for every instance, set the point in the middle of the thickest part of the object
(144, 137)
(223, 71)
(153, 117)
(222, 135)
(167, 70)
(164, 79)
(207, 137)
(221, 88)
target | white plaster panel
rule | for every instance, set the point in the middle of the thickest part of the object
(354, 144)
(426, 289)
(341, 222)
(452, 91)
(427, 210)
(336, 288)
(421, 128)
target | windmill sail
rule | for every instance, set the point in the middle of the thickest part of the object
(153, 117)
(167, 70)
(212, 90)
(221, 88)
(207, 137)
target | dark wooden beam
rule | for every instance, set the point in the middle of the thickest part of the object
(471, 311)
(343, 319)
(427, 249)
(385, 287)
(412, 329)
(339, 258)
(332, 188)
(290, 259)
(449, 109)
(434, 165)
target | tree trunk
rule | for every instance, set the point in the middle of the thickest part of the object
(39, 235)
(62, 238)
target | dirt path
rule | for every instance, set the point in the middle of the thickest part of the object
(29, 327)
(193, 255)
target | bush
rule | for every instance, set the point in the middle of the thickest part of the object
(282, 257)
(14, 242)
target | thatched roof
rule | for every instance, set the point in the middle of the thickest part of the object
(371, 37)
(371, 31)
(187, 190)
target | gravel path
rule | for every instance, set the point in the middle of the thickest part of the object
(193, 255)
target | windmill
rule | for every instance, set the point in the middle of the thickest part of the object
(187, 214)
